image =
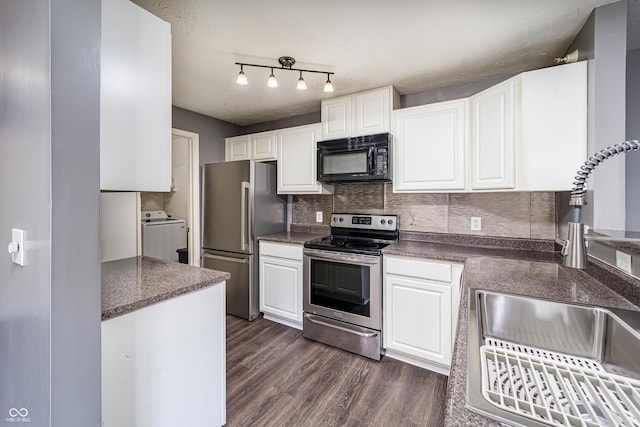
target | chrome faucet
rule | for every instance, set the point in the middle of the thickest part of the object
(574, 250)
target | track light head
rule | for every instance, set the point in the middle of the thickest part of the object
(272, 82)
(301, 83)
(242, 78)
(328, 86)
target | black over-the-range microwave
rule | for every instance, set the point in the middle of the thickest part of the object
(357, 159)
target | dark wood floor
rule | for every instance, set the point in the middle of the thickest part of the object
(275, 377)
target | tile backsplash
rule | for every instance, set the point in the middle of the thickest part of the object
(506, 214)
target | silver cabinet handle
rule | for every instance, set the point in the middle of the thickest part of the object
(314, 319)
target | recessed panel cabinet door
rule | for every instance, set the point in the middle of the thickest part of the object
(493, 137)
(336, 118)
(237, 148)
(373, 112)
(418, 318)
(297, 161)
(429, 144)
(281, 288)
(135, 99)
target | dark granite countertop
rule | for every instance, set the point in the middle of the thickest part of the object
(133, 283)
(293, 237)
(543, 279)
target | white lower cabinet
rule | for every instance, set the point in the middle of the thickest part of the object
(420, 309)
(281, 283)
(165, 364)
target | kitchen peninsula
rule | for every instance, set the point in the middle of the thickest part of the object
(163, 344)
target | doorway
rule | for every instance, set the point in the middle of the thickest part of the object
(183, 201)
(184, 198)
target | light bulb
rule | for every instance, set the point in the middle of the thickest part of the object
(328, 86)
(301, 84)
(242, 78)
(272, 82)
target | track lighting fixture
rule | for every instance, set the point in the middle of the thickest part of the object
(286, 63)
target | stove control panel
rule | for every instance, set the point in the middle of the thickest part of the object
(365, 222)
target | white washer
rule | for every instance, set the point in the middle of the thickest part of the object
(162, 236)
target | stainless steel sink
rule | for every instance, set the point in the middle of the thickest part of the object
(537, 362)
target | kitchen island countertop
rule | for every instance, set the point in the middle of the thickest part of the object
(133, 283)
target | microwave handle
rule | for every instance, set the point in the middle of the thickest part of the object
(372, 160)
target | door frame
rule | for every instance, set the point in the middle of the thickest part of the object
(193, 237)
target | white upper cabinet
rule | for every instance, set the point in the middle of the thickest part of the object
(429, 147)
(263, 146)
(336, 118)
(237, 148)
(363, 113)
(551, 127)
(297, 161)
(258, 146)
(529, 133)
(493, 137)
(135, 99)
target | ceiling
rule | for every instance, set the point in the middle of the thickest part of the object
(414, 45)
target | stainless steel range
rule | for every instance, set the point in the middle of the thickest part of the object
(343, 283)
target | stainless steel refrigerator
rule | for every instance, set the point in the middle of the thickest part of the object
(239, 202)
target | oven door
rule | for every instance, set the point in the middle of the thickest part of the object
(343, 286)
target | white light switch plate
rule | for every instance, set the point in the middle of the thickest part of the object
(476, 223)
(17, 236)
(623, 261)
(318, 216)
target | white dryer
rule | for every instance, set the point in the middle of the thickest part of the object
(162, 236)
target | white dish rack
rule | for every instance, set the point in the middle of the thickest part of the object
(557, 389)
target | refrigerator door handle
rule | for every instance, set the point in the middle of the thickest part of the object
(244, 212)
(226, 258)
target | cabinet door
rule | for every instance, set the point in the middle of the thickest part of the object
(336, 118)
(493, 137)
(237, 148)
(418, 318)
(281, 287)
(263, 146)
(297, 161)
(135, 99)
(429, 144)
(373, 112)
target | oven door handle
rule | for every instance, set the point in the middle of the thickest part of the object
(314, 319)
(349, 259)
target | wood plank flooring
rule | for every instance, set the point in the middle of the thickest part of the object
(275, 377)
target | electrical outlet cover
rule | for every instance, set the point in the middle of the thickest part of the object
(623, 261)
(476, 223)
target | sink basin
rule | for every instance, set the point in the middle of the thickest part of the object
(537, 362)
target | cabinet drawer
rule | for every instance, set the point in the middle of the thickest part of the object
(281, 250)
(430, 270)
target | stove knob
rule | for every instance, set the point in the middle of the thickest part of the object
(341, 219)
(382, 221)
(335, 219)
(390, 222)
